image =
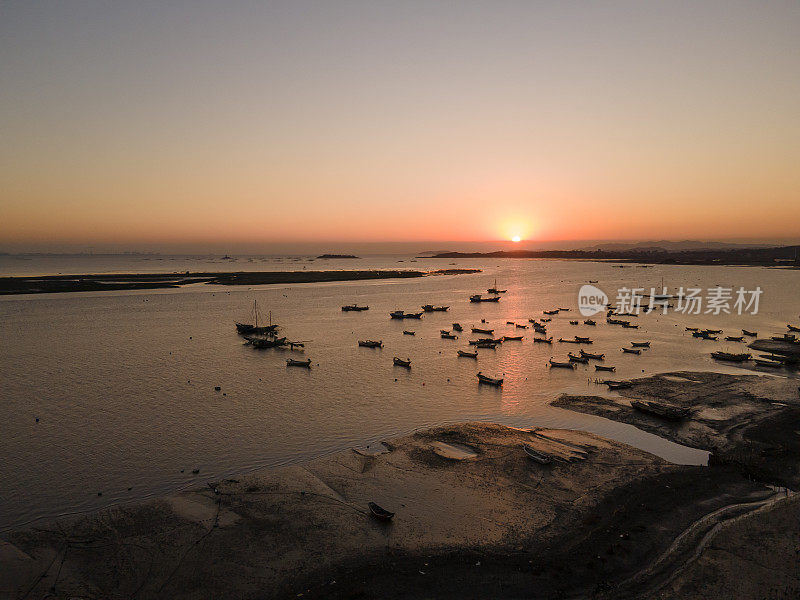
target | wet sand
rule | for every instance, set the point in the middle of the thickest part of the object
(138, 281)
(475, 517)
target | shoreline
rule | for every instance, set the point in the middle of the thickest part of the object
(49, 284)
(474, 516)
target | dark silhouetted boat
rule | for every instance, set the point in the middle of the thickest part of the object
(486, 331)
(604, 368)
(632, 350)
(512, 338)
(457, 327)
(734, 338)
(402, 363)
(432, 308)
(539, 340)
(577, 359)
(370, 344)
(550, 312)
(479, 298)
(268, 342)
(640, 344)
(380, 513)
(291, 362)
(489, 380)
(354, 308)
(585, 354)
(660, 409)
(793, 328)
(446, 335)
(465, 354)
(589, 322)
(750, 333)
(254, 328)
(617, 385)
(494, 290)
(731, 357)
(561, 365)
(406, 332)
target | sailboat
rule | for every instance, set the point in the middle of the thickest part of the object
(494, 290)
(255, 329)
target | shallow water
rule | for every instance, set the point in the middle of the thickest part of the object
(123, 382)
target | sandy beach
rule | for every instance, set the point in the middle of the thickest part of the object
(475, 517)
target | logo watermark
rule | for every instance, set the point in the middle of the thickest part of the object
(688, 301)
(591, 300)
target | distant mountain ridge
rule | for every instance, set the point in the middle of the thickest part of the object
(669, 246)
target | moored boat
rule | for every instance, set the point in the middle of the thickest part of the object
(632, 350)
(465, 354)
(489, 380)
(592, 356)
(354, 308)
(561, 365)
(734, 338)
(604, 368)
(640, 344)
(539, 340)
(291, 362)
(486, 331)
(446, 335)
(402, 363)
(590, 322)
(479, 298)
(457, 327)
(749, 333)
(407, 332)
(494, 290)
(731, 357)
(577, 359)
(370, 344)
(512, 338)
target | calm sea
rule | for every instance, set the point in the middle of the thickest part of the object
(122, 383)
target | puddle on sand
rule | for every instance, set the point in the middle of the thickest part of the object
(454, 451)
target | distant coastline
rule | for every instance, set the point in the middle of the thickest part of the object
(137, 281)
(784, 256)
(338, 256)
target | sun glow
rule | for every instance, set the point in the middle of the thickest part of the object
(516, 239)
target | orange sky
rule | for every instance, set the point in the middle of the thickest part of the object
(159, 125)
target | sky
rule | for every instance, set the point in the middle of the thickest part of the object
(199, 125)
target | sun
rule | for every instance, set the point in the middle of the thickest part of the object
(516, 239)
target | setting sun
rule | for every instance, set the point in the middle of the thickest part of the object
(516, 238)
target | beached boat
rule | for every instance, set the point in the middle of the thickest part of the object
(750, 333)
(370, 344)
(561, 365)
(773, 364)
(660, 409)
(539, 340)
(465, 354)
(489, 380)
(432, 308)
(407, 332)
(617, 385)
(734, 338)
(380, 513)
(446, 335)
(457, 327)
(486, 331)
(632, 350)
(291, 362)
(577, 359)
(479, 298)
(590, 322)
(402, 363)
(512, 338)
(534, 454)
(640, 344)
(604, 368)
(731, 357)
(354, 308)
(585, 354)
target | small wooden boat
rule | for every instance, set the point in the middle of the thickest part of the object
(432, 308)
(629, 326)
(545, 320)
(660, 409)
(406, 332)
(577, 359)
(550, 312)
(354, 308)
(734, 338)
(573, 322)
(730, 357)
(402, 363)
(632, 350)
(446, 335)
(479, 298)
(486, 331)
(564, 309)
(793, 328)
(604, 368)
(465, 354)
(509, 322)
(512, 338)
(692, 329)
(518, 326)
(617, 385)
(712, 331)
(539, 340)
(589, 322)
(412, 315)
(457, 327)
(561, 365)
(585, 354)
(536, 455)
(773, 364)
(489, 380)
(482, 341)
(640, 344)
(611, 321)
(750, 333)
(291, 362)
(380, 513)
(485, 344)
(583, 340)
(370, 344)
(262, 343)
(397, 314)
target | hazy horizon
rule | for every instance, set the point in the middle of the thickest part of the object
(245, 124)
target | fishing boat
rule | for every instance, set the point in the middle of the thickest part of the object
(660, 409)
(457, 327)
(692, 329)
(509, 322)
(617, 385)
(539, 340)
(432, 308)
(536, 455)
(489, 380)
(532, 321)
(291, 362)
(583, 340)
(486, 331)
(518, 326)
(370, 344)
(793, 328)
(494, 290)
(734, 338)
(485, 344)
(254, 328)
(446, 335)
(585, 354)
(479, 298)
(406, 332)
(773, 364)
(629, 326)
(512, 338)
(604, 368)
(380, 513)
(545, 320)
(611, 321)
(632, 350)
(561, 365)
(750, 333)
(577, 359)
(573, 322)
(730, 357)
(640, 344)
(397, 314)
(269, 342)
(417, 315)
(589, 322)
(563, 309)
(465, 354)
(354, 307)
(550, 312)
(712, 331)
(402, 363)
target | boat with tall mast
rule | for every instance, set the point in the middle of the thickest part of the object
(254, 328)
